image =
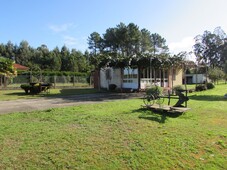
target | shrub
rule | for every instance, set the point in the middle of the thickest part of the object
(200, 87)
(154, 90)
(178, 88)
(35, 88)
(210, 86)
(26, 87)
(112, 87)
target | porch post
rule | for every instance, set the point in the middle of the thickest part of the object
(163, 77)
(151, 75)
(155, 75)
(139, 78)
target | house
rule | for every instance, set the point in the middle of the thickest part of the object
(20, 67)
(137, 78)
(196, 78)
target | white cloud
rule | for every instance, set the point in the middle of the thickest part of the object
(70, 41)
(184, 45)
(78, 43)
(61, 28)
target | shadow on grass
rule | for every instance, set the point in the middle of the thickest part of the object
(61, 93)
(17, 94)
(157, 116)
(76, 95)
(23, 94)
(78, 91)
(207, 97)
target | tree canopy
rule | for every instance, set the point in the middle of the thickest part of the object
(128, 45)
(6, 67)
(41, 58)
(211, 48)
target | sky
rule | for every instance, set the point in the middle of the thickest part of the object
(70, 22)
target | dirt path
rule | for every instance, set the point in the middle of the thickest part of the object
(26, 105)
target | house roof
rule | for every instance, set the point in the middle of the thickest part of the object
(20, 67)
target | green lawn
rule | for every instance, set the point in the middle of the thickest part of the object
(118, 135)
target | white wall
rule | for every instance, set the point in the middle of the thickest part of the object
(131, 82)
(115, 78)
(201, 78)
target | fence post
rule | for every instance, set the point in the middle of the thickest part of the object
(73, 80)
(5, 82)
(54, 81)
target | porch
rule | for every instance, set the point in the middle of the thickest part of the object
(147, 77)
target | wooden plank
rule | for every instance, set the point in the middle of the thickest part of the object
(180, 108)
(166, 108)
(162, 107)
(157, 107)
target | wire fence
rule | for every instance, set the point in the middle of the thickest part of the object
(56, 81)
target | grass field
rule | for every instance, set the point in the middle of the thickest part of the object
(118, 135)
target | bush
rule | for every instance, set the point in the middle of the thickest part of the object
(35, 88)
(53, 73)
(210, 86)
(200, 87)
(26, 87)
(154, 90)
(112, 87)
(178, 88)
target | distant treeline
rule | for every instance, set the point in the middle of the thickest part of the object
(42, 58)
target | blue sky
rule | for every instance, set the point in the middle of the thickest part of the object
(70, 22)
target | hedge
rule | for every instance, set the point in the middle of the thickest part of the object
(54, 73)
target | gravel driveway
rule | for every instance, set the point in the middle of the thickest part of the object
(26, 105)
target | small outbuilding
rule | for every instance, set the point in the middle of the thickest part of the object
(195, 78)
(137, 78)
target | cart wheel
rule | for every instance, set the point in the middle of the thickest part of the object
(148, 100)
(160, 100)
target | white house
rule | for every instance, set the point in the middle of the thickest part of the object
(195, 78)
(136, 78)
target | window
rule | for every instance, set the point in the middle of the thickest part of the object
(130, 75)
